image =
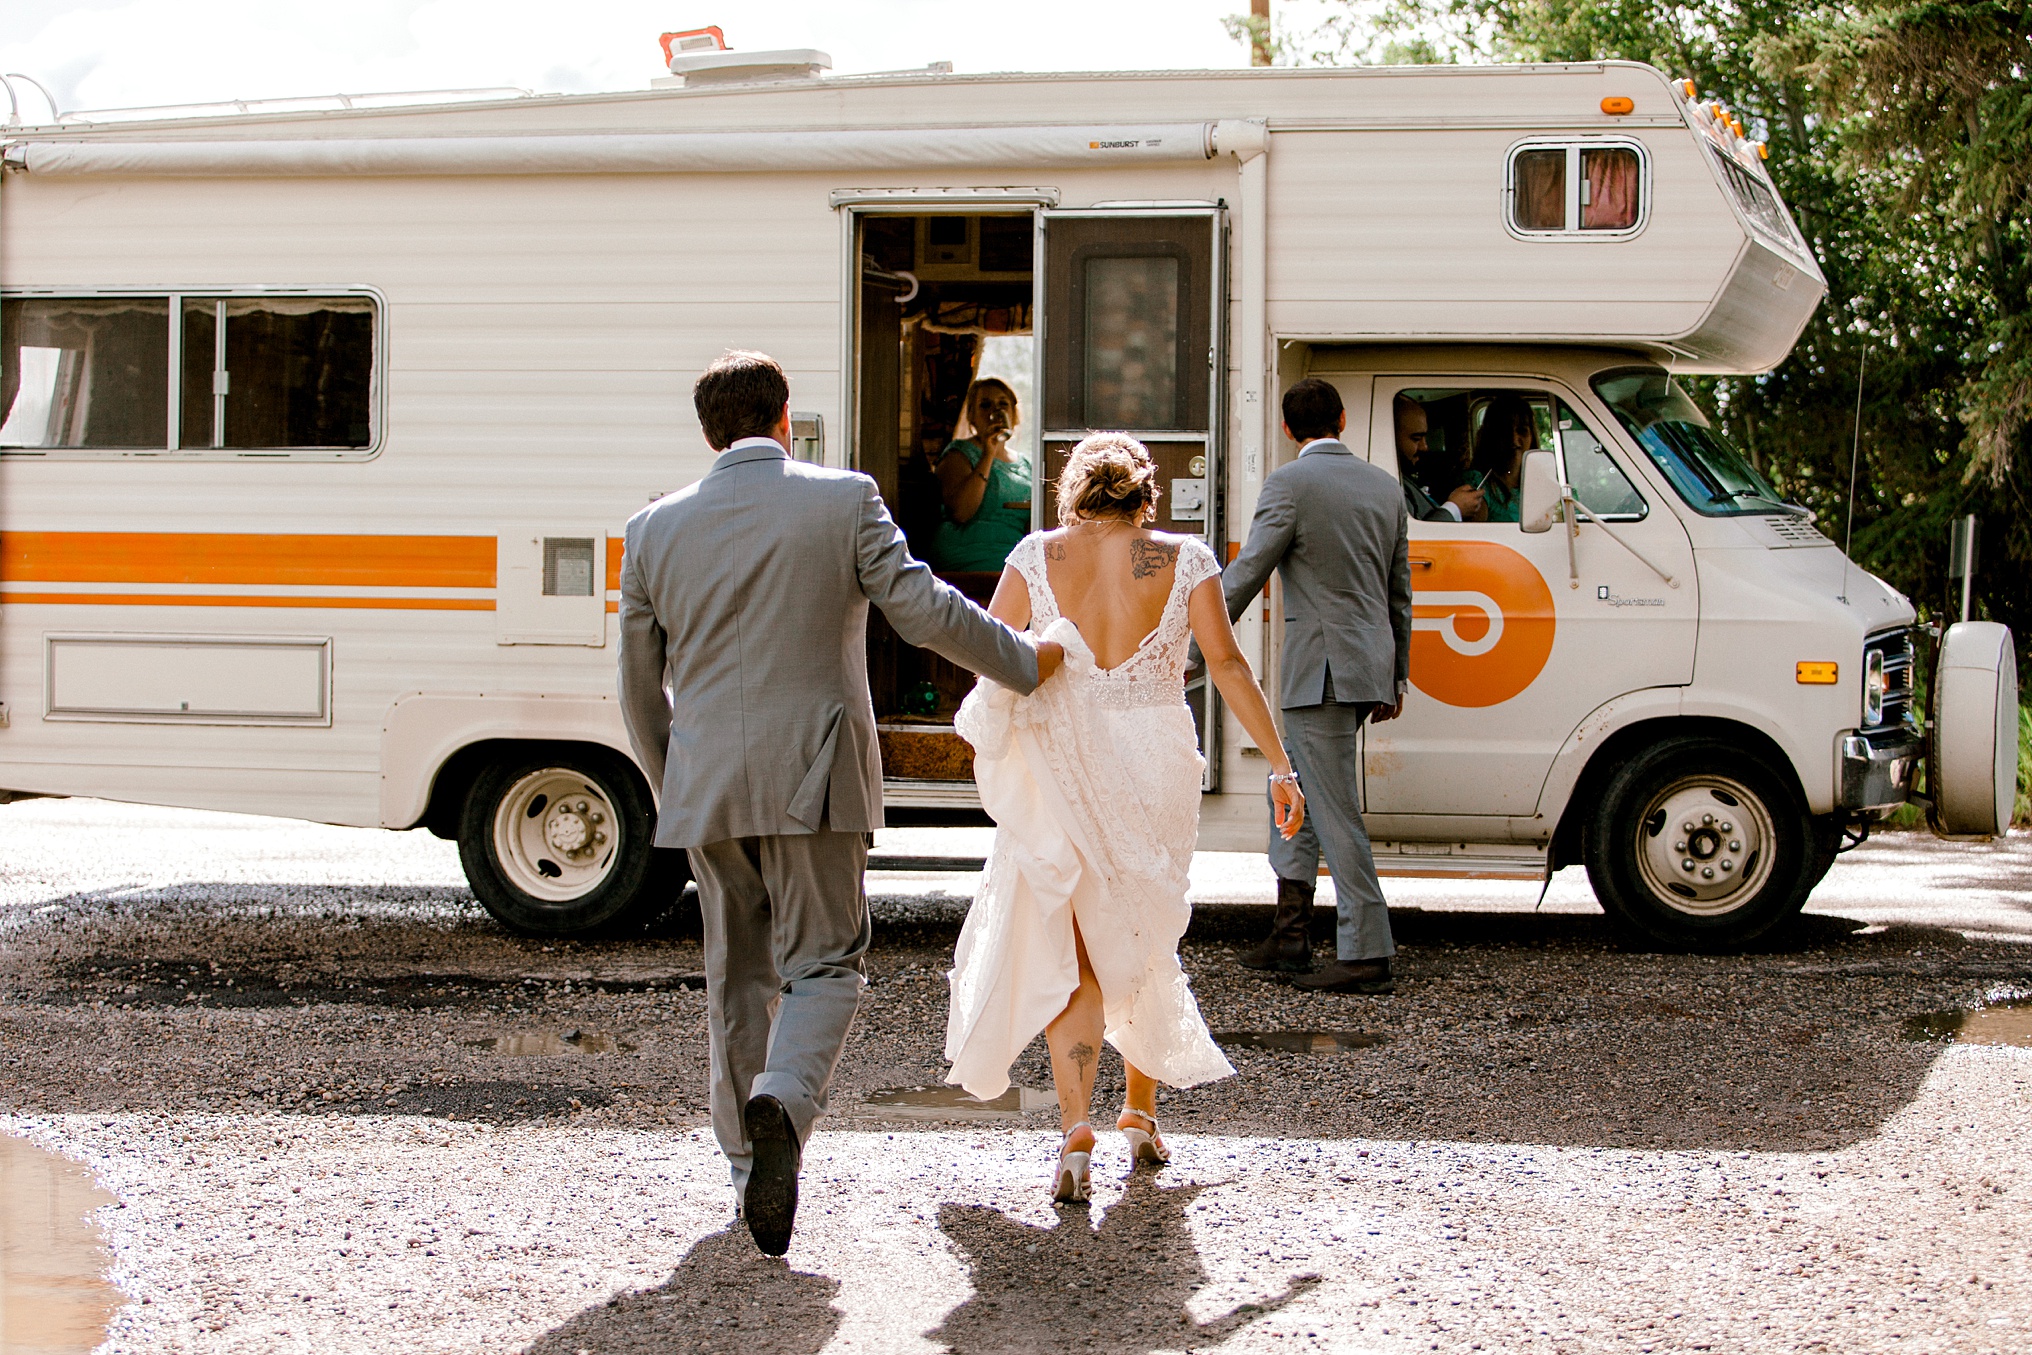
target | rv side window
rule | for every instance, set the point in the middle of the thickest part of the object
(1585, 189)
(89, 372)
(1598, 482)
(270, 373)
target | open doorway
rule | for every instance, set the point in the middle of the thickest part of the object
(944, 314)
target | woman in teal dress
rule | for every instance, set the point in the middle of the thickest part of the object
(986, 491)
(1508, 431)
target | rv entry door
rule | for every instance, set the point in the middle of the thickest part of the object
(1131, 302)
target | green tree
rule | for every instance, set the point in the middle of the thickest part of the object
(1900, 136)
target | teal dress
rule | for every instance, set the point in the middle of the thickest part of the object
(1503, 502)
(983, 542)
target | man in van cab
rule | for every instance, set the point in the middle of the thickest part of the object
(1414, 452)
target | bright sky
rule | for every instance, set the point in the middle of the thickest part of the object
(120, 53)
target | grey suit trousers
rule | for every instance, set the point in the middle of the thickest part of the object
(1325, 746)
(786, 926)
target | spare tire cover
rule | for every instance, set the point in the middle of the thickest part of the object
(1975, 742)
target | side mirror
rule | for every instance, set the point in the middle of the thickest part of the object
(1538, 496)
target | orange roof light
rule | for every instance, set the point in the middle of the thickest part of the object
(1763, 150)
(1690, 88)
(1616, 105)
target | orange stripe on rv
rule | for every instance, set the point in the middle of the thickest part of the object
(249, 558)
(242, 600)
(614, 545)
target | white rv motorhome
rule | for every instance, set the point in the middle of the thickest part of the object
(321, 424)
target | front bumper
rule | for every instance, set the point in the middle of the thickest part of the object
(1877, 767)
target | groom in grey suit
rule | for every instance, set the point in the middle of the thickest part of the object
(748, 594)
(1332, 526)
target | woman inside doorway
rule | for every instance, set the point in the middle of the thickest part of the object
(984, 487)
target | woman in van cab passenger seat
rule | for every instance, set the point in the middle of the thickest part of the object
(1508, 431)
(985, 489)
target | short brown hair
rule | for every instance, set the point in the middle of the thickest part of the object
(741, 395)
(1109, 475)
(1312, 409)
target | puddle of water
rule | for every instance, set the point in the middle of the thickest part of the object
(522, 1044)
(1998, 1023)
(1299, 1041)
(950, 1103)
(54, 1297)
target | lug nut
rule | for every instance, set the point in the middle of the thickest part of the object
(1735, 844)
(1686, 827)
(1686, 866)
(1679, 846)
(1728, 866)
(598, 817)
(1707, 874)
(1707, 820)
(1728, 827)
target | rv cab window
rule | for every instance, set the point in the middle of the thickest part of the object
(272, 373)
(1577, 189)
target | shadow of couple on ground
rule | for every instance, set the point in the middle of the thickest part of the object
(1125, 1286)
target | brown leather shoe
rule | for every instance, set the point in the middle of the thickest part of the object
(1350, 976)
(1288, 948)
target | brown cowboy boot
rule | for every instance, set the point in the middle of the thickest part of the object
(1288, 948)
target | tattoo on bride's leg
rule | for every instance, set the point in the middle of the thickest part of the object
(1081, 1054)
(1148, 557)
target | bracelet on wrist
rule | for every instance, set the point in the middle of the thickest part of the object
(1289, 778)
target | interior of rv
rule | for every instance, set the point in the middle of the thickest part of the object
(952, 426)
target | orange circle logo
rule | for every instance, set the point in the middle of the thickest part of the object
(1481, 622)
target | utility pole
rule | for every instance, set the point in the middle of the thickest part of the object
(1259, 32)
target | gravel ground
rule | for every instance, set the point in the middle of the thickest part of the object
(339, 1109)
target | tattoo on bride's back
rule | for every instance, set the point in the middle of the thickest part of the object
(1054, 550)
(1149, 557)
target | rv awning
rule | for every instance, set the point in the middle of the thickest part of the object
(649, 153)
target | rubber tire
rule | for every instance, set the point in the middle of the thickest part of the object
(644, 876)
(1825, 846)
(1612, 836)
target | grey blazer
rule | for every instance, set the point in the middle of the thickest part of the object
(1333, 526)
(750, 590)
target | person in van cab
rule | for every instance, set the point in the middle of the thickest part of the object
(986, 490)
(1508, 431)
(1414, 449)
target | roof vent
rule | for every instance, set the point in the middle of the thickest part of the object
(700, 56)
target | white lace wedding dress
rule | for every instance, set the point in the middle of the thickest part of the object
(1093, 782)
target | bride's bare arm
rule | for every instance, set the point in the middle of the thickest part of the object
(1207, 609)
(1011, 603)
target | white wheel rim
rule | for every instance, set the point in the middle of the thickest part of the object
(556, 835)
(1704, 845)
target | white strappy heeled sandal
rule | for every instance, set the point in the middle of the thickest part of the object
(1145, 1147)
(1069, 1182)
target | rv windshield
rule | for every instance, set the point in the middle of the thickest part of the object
(1702, 466)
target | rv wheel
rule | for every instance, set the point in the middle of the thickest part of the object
(1695, 845)
(557, 841)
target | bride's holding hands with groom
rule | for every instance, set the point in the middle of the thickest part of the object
(748, 592)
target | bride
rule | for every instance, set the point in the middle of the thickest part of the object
(1093, 781)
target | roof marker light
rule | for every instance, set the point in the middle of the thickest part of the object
(1691, 89)
(1616, 105)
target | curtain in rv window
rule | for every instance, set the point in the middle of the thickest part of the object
(297, 371)
(1609, 200)
(265, 373)
(90, 372)
(1541, 190)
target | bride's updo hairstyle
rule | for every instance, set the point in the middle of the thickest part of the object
(1109, 475)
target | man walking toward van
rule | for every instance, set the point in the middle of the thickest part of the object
(749, 590)
(1333, 528)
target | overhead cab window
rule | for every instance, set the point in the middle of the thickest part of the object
(270, 374)
(1577, 189)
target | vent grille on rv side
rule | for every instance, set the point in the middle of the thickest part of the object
(1795, 531)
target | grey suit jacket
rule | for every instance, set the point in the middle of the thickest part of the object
(1333, 527)
(750, 590)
